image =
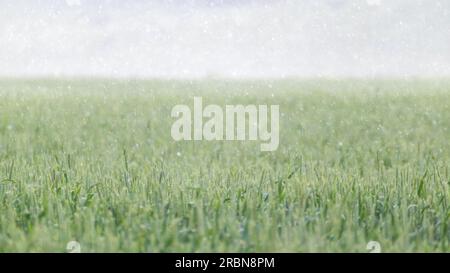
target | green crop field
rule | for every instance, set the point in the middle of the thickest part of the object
(93, 161)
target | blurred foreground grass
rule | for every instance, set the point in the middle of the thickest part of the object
(93, 161)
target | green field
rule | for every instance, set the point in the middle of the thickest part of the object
(94, 161)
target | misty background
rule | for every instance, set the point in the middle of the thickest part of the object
(204, 38)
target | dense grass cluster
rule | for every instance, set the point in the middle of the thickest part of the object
(93, 161)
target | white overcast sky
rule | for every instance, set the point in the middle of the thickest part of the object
(197, 38)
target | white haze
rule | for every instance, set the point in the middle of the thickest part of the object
(183, 39)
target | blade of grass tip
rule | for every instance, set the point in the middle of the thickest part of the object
(11, 167)
(420, 190)
(125, 159)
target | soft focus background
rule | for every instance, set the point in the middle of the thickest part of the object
(364, 152)
(198, 38)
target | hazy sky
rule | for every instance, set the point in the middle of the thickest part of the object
(224, 38)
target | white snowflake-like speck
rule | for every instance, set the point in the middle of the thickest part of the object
(373, 2)
(72, 3)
